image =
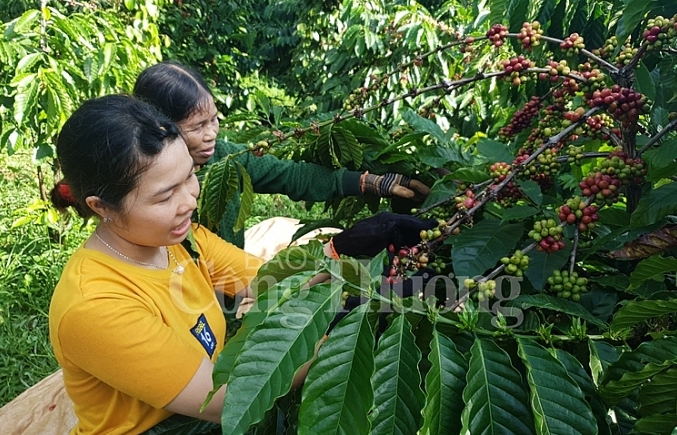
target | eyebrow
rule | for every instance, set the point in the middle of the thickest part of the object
(173, 186)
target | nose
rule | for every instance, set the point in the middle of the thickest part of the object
(212, 131)
(190, 195)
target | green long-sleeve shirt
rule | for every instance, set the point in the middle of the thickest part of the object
(298, 180)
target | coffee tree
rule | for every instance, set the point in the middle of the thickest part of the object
(544, 302)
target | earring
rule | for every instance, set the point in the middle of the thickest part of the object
(107, 220)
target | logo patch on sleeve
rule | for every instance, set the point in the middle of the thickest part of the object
(203, 332)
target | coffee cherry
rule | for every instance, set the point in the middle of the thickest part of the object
(530, 35)
(497, 34)
(575, 211)
(516, 264)
(572, 44)
(548, 234)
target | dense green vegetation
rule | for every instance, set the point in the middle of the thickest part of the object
(547, 130)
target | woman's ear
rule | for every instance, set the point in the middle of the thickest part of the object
(97, 206)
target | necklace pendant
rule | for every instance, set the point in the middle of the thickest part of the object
(179, 270)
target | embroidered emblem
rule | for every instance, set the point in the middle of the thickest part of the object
(203, 332)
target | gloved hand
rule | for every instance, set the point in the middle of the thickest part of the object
(374, 234)
(388, 185)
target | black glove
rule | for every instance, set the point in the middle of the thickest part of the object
(374, 234)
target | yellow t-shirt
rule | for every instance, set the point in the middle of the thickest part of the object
(129, 339)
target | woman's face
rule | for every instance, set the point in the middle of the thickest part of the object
(200, 131)
(158, 211)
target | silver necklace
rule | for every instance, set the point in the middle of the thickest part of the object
(178, 269)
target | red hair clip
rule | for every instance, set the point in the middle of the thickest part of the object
(65, 193)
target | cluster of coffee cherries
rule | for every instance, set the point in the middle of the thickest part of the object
(259, 148)
(572, 44)
(532, 169)
(522, 119)
(548, 234)
(499, 171)
(516, 264)
(625, 53)
(513, 67)
(627, 170)
(594, 78)
(545, 165)
(530, 35)
(497, 34)
(602, 187)
(466, 201)
(440, 212)
(624, 104)
(658, 30)
(485, 289)
(595, 124)
(567, 285)
(405, 259)
(356, 99)
(574, 154)
(576, 211)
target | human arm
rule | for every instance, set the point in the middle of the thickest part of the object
(311, 182)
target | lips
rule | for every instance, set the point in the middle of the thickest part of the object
(182, 229)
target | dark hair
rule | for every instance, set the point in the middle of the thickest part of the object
(105, 146)
(174, 89)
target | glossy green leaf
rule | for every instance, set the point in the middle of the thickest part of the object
(246, 198)
(26, 101)
(272, 354)
(398, 399)
(635, 312)
(616, 390)
(218, 187)
(655, 205)
(657, 351)
(532, 190)
(495, 399)
(576, 371)
(469, 174)
(661, 156)
(24, 22)
(288, 262)
(517, 13)
(656, 425)
(444, 386)
(644, 83)
(519, 213)
(633, 14)
(653, 268)
(497, 10)
(350, 150)
(494, 151)
(542, 265)
(481, 247)
(337, 393)
(602, 355)
(557, 304)
(658, 396)
(557, 401)
(420, 123)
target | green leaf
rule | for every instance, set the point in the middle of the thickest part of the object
(494, 151)
(517, 13)
(481, 247)
(658, 396)
(337, 394)
(273, 353)
(438, 156)
(616, 390)
(643, 81)
(398, 399)
(218, 187)
(653, 268)
(246, 198)
(420, 123)
(519, 213)
(582, 379)
(638, 311)
(557, 304)
(27, 62)
(655, 425)
(444, 386)
(662, 156)
(557, 401)
(541, 265)
(633, 14)
(26, 101)
(351, 152)
(497, 10)
(495, 400)
(532, 190)
(655, 205)
(657, 351)
(28, 19)
(288, 262)
(617, 282)
(602, 355)
(469, 174)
